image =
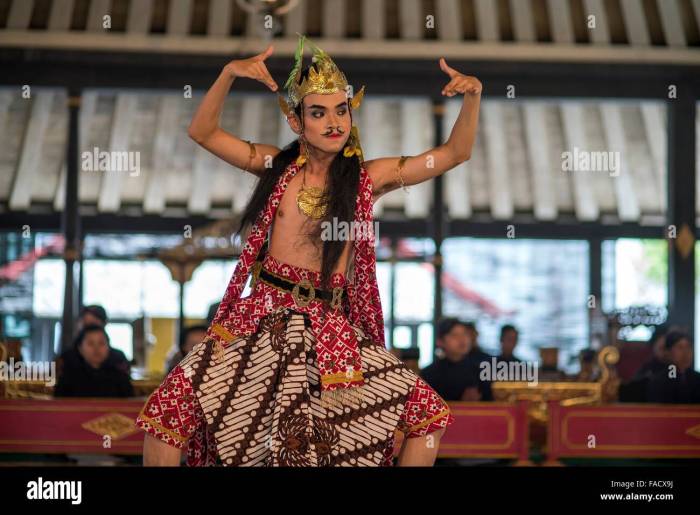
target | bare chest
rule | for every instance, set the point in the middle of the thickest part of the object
(289, 219)
(297, 238)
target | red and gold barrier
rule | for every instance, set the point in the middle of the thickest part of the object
(495, 430)
(70, 426)
(623, 431)
(485, 430)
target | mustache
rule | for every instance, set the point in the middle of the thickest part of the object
(331, 131)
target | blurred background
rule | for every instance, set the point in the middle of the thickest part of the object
(515, 239)
(575, 260)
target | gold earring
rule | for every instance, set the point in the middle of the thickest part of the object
(349, 149)
(303, 158)
(353, 147)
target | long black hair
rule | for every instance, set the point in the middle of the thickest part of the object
(341, 193)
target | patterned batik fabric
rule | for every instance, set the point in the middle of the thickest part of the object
(337, 345)
(173, 415)
(261, 403)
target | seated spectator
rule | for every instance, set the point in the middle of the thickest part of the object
(453, 376)
(549, 369)
(477, 356)
(677, 383)
(637, 388)
(509, 340)
(95, 315)
(190, 337)
(88, 371)
(659, 357)
(588, 371)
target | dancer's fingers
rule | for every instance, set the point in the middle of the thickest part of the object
(267, 53)
(266, 78)
(449, 71)
(449, 86)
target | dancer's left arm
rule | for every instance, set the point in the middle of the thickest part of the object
(438, 160)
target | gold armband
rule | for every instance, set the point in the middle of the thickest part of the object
(399, 169)
(250, 156)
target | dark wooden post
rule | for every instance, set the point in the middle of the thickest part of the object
(681, 208)
(70, 223)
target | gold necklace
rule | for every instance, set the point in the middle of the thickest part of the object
(311, 200)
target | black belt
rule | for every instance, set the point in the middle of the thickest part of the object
(304, 291)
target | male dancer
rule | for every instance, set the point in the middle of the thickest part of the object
(296, 373)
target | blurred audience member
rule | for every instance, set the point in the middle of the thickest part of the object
(588, 369)
(659, 357)
(88, 371)
(96, 315)
(636, 389)
(453, 376)
(509, 340)
(190, 337)
(549, 369)
(93, 314)
(677, 383)
(477, 356)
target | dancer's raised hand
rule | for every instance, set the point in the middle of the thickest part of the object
(254, 68)
(459, 83)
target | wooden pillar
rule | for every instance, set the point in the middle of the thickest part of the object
(181, 311)
(681, 208)
(392, 290)
(70, 223)
(438, 218)
(181, 268)
(595, 269)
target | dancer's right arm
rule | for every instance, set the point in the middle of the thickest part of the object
(205, 129)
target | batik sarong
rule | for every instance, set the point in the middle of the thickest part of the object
(260, 403)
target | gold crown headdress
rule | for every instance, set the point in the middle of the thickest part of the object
(323, 78)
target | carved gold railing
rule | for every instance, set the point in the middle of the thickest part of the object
(40, 390)
(569, 393)
(144, 387)
(27, 389)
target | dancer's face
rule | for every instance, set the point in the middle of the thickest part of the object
(327, 121)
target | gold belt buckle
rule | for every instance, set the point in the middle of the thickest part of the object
(304, 283)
